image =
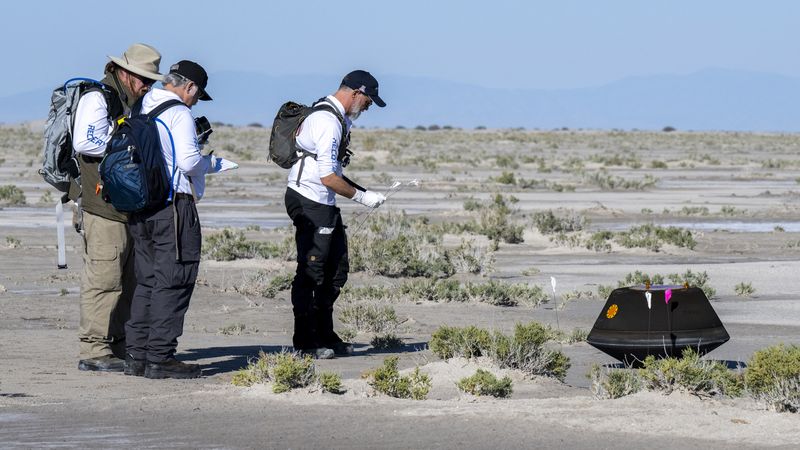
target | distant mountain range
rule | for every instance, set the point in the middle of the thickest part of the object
(713, 99)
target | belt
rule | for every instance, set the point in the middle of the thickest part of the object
(182, 195)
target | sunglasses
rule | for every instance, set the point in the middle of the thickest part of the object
(143, 80)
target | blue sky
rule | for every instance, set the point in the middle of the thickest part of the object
(499, 43)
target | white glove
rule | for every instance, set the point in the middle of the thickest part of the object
(369, 199)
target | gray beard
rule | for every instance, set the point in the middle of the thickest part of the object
(354, 115)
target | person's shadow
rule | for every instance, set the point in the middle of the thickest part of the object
(227, 359)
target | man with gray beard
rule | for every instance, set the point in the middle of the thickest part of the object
(314, 181)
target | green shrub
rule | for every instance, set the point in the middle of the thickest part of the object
(652, 237)
(689, 372)
(289, 371)
(387, 380)
(232, 330)
(494, 292)
(695, 279)
(369, 318)
(744, 289)
(265, 285)
(548, 223)
(506, 178)
(230, 244)
(770, 365)
(613, 383)
(285, 370)
(388, 341)
(448, 342)
(330, 382)
(11, 195)
(486, 383)
(471, 204)
(524, 350)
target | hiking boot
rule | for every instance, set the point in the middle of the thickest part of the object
(133, 366)
(171, 368)
(318, 353)
(107, 363)
(342, 348)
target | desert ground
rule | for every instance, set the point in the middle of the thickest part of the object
(479, 194)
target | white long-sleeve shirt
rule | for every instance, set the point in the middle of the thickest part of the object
(320, 133)
(92, 128)
(188, 159)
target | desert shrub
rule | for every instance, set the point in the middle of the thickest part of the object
(524, 350)
(548, 223)
(695, 279)
(744, 289)
(598, 241)
(652, 237)
(506, 161)
(610, 182)
(505, 178)
(387, 380)
(784, 395)
(369, 318)
(265, 285)
(486, 383)
(388, 341)
(494, 292)
(232, 330)
(11, 195)
(640, 278)
(285, 370)
(471, 204)
(13, 242)
(770, 365)
(448, 342)
(577, 335)
(656, 164)
(668, 129)
(289, 371)
(690, 373)
(330, 382)
(613, 383)
(257, 371)
(694, 211)
(230, 244)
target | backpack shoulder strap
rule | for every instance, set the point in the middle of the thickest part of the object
(161, 108)
(324, 105)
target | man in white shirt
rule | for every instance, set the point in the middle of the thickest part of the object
(168, 240)
(313, 183)
(108, 280)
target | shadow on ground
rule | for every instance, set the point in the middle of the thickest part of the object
(227, 359)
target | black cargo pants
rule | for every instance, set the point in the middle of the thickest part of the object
(166, 261)
(322, 268)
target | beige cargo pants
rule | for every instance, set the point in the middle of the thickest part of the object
(107, 285)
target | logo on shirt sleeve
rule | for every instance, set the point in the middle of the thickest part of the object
(335, 150)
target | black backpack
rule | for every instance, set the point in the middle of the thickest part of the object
(134, 174)
(283, 149)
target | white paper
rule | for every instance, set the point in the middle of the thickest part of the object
(222, 164)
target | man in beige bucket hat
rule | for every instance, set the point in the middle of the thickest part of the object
(108, 279)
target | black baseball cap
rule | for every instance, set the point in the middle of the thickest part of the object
(363, 81)
(193, 72)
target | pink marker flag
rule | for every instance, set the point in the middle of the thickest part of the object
(667, 295)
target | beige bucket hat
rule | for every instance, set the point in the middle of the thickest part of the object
(140, 59)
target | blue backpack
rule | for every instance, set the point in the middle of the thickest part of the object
(133, 170)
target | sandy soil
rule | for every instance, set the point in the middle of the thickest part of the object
(46, 402)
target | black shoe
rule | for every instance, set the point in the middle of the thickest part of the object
(342, 348)
(318, 353)
(171, 368)
(133, 366)
(107, 363)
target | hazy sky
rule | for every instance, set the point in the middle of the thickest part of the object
(498, 43)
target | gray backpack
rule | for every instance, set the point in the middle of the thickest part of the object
(59, 166)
